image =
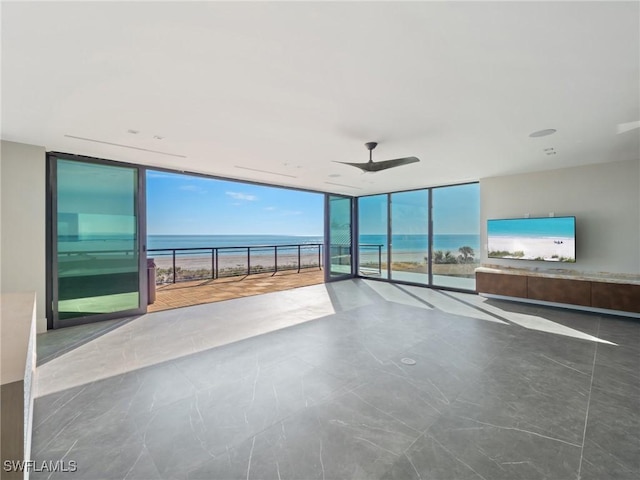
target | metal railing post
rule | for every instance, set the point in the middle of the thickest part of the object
(217, 263)
(248, 260)
(174, 265)
(275, 259)
(212, 265)
(298, 258)
(379, 259)
(319, 257)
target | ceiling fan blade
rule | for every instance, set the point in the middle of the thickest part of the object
(361, 166)
(397, 162)
(382, 165)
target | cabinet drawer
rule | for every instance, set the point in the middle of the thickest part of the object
(560, 290)
(616, 296)
(500, 284)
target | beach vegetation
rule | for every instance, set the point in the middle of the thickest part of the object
(506, 254)
(466, 254)
(165, 275)
(442, 257)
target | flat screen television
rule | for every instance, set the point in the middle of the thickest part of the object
(549, 239)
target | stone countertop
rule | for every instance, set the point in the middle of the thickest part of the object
(606, 277)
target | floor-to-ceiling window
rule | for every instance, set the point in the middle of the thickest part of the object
(372, 236)
(428, 237)
(410, 236)
(456, 235)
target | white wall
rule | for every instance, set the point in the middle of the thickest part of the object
(23, 222)
(605, 199)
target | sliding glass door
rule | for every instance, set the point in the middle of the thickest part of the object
(96, 254)
(339, 260)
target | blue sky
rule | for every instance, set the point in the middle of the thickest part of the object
(180, 204)
(189, 205)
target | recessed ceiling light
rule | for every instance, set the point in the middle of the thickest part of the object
(334, 175)
(158, 137)
(543, 133)
(133, 132)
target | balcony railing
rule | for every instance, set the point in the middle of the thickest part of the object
(184, 264)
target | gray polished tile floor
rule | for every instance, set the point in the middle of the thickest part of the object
(355, 379)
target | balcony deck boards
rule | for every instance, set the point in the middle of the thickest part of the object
(185, 294)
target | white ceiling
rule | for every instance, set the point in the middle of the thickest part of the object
(291, 87)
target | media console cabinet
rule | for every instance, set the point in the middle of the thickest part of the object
(617, 294)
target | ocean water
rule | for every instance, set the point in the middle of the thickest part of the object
(419, 243)
(207, 241)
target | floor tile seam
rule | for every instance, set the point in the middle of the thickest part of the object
(586, 419)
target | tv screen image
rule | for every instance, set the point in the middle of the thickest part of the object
(550, 239)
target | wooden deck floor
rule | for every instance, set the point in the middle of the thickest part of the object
(185, 294)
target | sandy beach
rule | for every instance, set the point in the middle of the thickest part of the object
(547, 248)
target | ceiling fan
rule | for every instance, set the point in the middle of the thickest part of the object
(372, 166)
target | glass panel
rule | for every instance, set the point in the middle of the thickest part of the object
(456, 235)
(410, 236)
(339, 236)
(97, 241)
(373, 224)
